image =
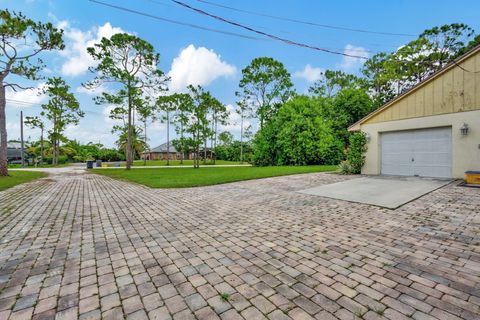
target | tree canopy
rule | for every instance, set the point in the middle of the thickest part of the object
(265, 85)
(131, 63)
(21, 39)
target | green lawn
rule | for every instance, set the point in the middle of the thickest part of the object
(40, 165)
(190, 177)
(175, 163)
(18, 177)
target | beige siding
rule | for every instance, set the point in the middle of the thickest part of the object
(465, 150)
(454, 90)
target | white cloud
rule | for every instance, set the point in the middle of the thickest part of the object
(78, 59)
(234, 122)
(352, 63)
(309, 73)
(91, 135)
(26, 98)
(197, 66)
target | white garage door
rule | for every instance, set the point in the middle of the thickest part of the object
(425, 152)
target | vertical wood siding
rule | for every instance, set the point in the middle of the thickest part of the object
(455, 90)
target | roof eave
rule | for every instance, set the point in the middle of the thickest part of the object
(356, 126)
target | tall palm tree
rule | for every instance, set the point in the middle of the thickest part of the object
(138, 142)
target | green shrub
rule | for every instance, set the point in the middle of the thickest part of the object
(297, 135)
(356, 151)
(345, 167)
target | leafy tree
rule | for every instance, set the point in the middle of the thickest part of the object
(348, 106)
(243, 110)
(37, 122)
(390, 74)
(91, 151)
(265, 85)
(35, 150)
(198, 123)
(225, 138)
(170, 105)
(137, 140)
(21, 39)
(231, 151)
(377, 72)
(334, 81)
(131, 63)
(62, 109)
(219, 114)
(298, 135)
(147, 113)
(266, 148)
(184, 105)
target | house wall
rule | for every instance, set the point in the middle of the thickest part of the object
(160, 156)
(453, 90)
(465, 149)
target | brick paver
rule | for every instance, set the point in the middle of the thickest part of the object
(90, 247)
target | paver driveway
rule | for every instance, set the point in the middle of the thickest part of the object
(85, 246)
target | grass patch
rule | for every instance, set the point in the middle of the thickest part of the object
(19, 177)
(139, 163)
(190, 177)
(225, 296)
(40, 165)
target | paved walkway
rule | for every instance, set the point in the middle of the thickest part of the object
(183, 166)
(78, 245)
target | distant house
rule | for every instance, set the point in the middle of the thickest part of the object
(14, 151)
(161, 152)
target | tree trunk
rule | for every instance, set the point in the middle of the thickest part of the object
(214, 156)
(145, 142)
(41, 145)
(205, 151)
(241, 138)
(3, 134)
(58, 150)
(129, 128)
(212, 161)
(197, 140)
(182, 143)
(132, 149)
(168, 138)
(194, 152)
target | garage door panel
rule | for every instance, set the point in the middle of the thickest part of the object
(426, 152)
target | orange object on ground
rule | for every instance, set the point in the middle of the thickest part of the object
(472, 177)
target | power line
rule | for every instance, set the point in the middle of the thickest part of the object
(175, 21)
(28, 103)
(327, 26)
(290, 42)
(287, 41)
(360, 50)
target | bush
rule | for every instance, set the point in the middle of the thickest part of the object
(356, 151)
(265, 142)
(298, 135)
(62, 159)
(231, 151)
(345, 167)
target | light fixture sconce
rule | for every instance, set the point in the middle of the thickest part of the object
(464, 129)
(367, 137)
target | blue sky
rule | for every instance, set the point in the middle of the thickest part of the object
(215, 60)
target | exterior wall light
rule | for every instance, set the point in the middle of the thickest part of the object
(367, 137)
(464, 129)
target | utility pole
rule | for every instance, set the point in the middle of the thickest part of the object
(21, 139)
